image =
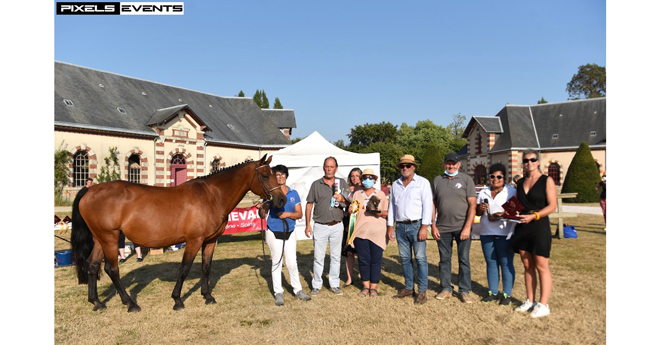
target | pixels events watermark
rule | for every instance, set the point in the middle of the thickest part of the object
(119, 8)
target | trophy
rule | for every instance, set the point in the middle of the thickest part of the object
(372, 204)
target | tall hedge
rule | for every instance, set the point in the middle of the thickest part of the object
(582, 176)
(432, 162)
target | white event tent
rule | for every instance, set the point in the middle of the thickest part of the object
(304, 160)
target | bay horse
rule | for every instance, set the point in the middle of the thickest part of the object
(194, 212)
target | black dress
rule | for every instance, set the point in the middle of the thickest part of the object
(533, 237)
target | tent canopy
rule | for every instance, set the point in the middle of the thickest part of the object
(305, 158)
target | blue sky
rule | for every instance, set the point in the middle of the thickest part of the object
(345, 63)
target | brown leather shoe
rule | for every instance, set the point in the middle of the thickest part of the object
(403, 293)
(465, 298)
(444, 294)
(421, 298)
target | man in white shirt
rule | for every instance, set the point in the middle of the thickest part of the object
(411, 208)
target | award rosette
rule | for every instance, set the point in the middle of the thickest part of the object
(354, 209)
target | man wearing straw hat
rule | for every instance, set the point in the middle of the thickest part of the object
(411, 208)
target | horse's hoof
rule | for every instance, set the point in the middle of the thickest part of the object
(178, 306)
(99, 306)
(210, 300)
(134, 308)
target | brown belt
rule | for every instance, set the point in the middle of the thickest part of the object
(409, 221)
(331, 223)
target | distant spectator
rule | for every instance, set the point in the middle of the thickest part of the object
(601, 185)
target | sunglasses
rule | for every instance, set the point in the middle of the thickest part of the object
(499, 177)
(406, 166)
(533, 160)
(369, 177)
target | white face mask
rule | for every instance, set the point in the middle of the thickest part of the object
(604, 178)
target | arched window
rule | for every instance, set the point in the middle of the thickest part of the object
(215, 165)
(80, 168)
(553, 171)
(178, 159)
(480, 173)
(134, 170)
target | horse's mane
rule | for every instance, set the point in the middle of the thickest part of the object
(223, 169)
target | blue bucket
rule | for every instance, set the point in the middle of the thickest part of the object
(63, 257)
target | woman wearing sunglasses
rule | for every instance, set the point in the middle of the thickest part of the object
(354, 184)
(496, 235)
(370, 233)
(532, 238)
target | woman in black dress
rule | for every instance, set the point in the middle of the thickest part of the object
(532, 239)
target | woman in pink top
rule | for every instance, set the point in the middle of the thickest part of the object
(370, 232)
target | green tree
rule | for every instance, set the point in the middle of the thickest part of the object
(415, 140)
(457, 127)
(264, 100)
(542, 101)
(110, 171)
(277, 104)
(582, 176)
(295, 140)
(363, 135)
(588, 82)
(390, 153)
(61, 168)
(257, 98)
(340, 144)
(433, 162)
(241, 94)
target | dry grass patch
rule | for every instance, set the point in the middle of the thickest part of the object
(246, 314)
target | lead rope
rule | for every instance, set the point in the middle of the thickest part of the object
(285, 226)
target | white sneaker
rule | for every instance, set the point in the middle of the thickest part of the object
(540, 311)
(526, 306)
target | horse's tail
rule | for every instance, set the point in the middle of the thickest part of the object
(82, 240)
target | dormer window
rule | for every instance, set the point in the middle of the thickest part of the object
(121, 110)
(555, 136)
(68, 102)
(592, 133)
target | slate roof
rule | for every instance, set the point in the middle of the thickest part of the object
(282, 118)
(562, 125)
(97, 95)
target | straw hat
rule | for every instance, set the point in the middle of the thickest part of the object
(369, 172)
(407, 159)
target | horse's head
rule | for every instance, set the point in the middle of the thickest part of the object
(265, 185)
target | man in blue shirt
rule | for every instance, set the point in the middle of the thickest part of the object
(411, 208)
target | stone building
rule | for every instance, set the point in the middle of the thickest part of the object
(164, 135)
(554, 129)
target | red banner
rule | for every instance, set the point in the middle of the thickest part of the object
(244, 220)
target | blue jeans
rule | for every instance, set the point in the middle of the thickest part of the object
(406, 236)
(498, 257)
(445, 248)
(370, 260)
